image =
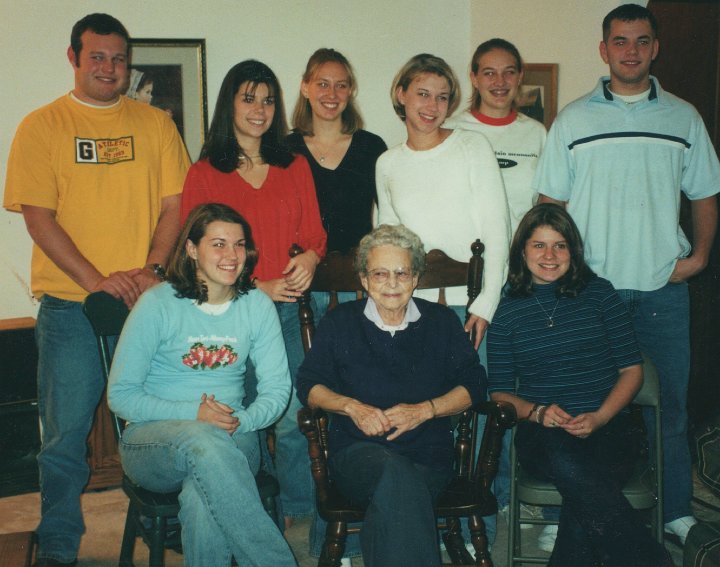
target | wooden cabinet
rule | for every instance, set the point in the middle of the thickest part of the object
(19, 424)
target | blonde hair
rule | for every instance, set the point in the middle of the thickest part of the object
(302, 115)
(424, 63)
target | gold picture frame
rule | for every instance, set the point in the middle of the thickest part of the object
(539, 92)
(176, 68)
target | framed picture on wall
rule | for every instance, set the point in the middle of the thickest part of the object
(538, 96)
(170, 74)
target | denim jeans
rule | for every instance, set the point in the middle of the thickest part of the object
(322, 302)
(70, 384)
(597, 523)
(292, 464)
(662, 325)
(399, 527)
(220, 509)
(318, 526)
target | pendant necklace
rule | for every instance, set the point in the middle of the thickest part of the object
(550, 321)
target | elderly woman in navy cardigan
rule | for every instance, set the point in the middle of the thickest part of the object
(392, 370)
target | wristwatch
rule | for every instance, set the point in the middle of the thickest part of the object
(158, 270)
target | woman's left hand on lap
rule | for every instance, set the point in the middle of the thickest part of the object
(584, 424)
(406, 417)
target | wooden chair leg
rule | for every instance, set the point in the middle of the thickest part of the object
(479, 540)
(157, 542)
(455, 544)
(127, 548)
(270, 506)
(334, 545)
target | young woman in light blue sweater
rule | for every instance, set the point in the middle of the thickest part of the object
(178, 378)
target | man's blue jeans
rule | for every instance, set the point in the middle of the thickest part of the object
(220, 509)
(662, 325)
(70, 384)
(292, 464)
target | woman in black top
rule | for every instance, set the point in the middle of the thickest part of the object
(327, 130)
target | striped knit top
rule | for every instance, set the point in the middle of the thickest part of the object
(574, 361)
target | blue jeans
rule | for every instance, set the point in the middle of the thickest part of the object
(597, 523)
(70, 384)
(662, 325)
(399, 527)
(220, 509)
(318, 526)
(292, 464)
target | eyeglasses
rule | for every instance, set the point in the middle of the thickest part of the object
(380, 276)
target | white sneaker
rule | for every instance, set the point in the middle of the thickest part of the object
(546, 539)
(526, 511)
(680, 527)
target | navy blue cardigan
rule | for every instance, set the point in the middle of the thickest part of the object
(353, 357)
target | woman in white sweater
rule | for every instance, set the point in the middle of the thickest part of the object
(445, 185)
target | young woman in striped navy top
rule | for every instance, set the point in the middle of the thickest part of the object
(567, 337)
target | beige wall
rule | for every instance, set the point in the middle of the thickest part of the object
(377, 36)
(566, 32)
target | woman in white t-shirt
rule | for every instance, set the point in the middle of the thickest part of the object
(496, 73)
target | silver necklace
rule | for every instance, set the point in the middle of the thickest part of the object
(550, 321)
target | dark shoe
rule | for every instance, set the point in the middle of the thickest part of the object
(45, 562)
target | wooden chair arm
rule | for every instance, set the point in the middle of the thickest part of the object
(500, 417)
(313, 424)
(502, 412)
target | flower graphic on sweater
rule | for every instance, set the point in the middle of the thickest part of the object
(211, 357)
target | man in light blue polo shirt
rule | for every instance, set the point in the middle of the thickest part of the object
(618, 158)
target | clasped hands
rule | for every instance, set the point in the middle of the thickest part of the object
(297, 277)
(582, 425)
(401, 418)
(218, 414)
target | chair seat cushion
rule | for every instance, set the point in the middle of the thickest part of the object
(639, 490)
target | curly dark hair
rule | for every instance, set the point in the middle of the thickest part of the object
(557, 218)
(182, 270)
(221, 148)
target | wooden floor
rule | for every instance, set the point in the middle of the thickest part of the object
(16, 549)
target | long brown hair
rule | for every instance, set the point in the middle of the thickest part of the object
(182, 270)
(557, 218)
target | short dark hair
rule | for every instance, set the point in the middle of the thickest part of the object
(486, 47)
(629, 13)
(221, 148)
(302, 115)
(418, 65)
(557, 218)
(182, 270)
(101, 24)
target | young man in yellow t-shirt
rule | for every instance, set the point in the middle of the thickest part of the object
(97, 178)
